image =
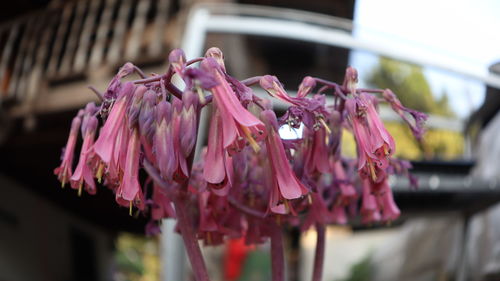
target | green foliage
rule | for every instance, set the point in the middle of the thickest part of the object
(361, 271)
(409, 83)
(257, 266)
(136, 258)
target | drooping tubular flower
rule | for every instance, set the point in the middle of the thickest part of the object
(218, 165)
(162, 205)
(274, 88)
(239, 126)
(130, 192)
(286, 185)
(105, 144)
(65, 170)
(303, 110)
(316, 151)
(390, 210)
(306, 87)
(369, 208)
(417, 127)
(84, 171)
(378, 202)
(347, 191)
(375, 144)
(114, 88)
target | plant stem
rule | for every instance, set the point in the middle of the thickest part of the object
(251, 81)
(190, 240)
(244, 209)
(180, 200)
(97, 93)
(319, 255)
(277, 255)
(186, 228)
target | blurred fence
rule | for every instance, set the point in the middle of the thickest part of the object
(68, 39)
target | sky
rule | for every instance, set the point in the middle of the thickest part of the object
(462, 30)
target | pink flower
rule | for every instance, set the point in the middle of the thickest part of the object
(146, 122)
(317, 152)
(307, 85)
(216, 54)
(318, 212)
(385, 200)
(207, 221)
(274, 88)
(350, 80)
(218, 165)
(84, 171)
(105, 143)
(130, 191)
(347, 191)
(163, 141)
(375, 144)
(369, 208)
(181, 171)
(309, 111)
(378, 202)
(286, 185)
(416, 127)
(118, 160)
(64, 171)
(238, 123)
(338, 214)
(162, 207)
(188, 122)
(177, 60)
(115, 87)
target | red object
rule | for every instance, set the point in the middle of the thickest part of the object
(236, 252)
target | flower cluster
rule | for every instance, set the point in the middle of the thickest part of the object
(248, 179)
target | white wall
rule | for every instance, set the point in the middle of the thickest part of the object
(343, 249)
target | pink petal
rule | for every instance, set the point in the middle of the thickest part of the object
(214, 170)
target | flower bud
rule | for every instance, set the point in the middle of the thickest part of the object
(351, 79)
(190, 99)
(209, 64)
(188, 126)
(75, 125)
(269, 118)
(163, 141)
(91, 125)
(308, 83)
(163, 112)
(135, 106)
(146, 115)
(216, 53)
(202, 78)
(268, 82)
(177, 59)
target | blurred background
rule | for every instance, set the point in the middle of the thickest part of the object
(438, 56)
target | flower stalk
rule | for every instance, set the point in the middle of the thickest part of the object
(319, 254)
(190, 241)
(277, 253)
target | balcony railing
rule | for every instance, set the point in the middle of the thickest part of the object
(72, 39)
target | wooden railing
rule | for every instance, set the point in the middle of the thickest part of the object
(70, 40)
